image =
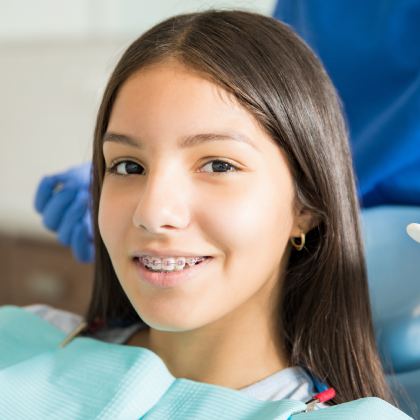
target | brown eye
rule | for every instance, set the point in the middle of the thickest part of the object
(125, 167)
(221, 166)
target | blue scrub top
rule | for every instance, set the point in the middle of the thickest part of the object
(371, 50)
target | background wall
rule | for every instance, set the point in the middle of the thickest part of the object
(55, 59)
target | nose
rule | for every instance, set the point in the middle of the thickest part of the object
(163, 205)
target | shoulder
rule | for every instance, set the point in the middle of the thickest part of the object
(64, 320)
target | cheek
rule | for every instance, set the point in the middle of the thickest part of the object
(251, 216)
(250, 229)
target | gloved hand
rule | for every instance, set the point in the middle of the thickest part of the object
(63, 201)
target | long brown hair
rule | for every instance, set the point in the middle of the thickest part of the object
(324, 310)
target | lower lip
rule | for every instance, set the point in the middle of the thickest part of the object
(171, 278)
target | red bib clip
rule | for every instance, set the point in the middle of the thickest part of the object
(321, 397)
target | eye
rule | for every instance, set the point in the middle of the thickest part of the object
(124, 167)
(220, 165)
(128, 167)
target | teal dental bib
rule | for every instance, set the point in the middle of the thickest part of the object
(91, 379)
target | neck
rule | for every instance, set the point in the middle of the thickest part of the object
(237, 350)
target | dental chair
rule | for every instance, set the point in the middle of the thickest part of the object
(393, 264)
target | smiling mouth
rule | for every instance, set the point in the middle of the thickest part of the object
(138, 260)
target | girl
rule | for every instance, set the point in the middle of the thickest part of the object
(221, 161)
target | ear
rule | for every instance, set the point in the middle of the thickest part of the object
(304, 221)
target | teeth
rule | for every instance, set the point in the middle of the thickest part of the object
(169, 264)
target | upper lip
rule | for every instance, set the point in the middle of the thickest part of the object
(165, 253)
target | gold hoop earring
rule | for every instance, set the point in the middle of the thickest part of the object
(299, 246)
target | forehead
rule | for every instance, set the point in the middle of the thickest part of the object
(170, 100)
(174, 82)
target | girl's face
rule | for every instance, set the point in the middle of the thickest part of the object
(179, 197)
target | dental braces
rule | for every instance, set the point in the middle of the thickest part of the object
(151, 261)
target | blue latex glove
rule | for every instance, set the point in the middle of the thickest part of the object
(63, 201)
(371, 52)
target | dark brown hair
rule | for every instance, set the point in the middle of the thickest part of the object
(324, 310)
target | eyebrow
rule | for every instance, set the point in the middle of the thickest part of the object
(185, 142)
